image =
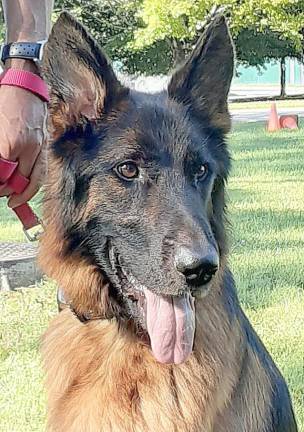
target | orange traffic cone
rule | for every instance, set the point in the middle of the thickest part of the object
(273, 122)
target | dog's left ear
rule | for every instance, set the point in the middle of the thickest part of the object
(204, 81)
(81, 80)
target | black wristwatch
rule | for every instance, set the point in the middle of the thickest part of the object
(23, 50)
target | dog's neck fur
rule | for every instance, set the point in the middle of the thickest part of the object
(120, 386)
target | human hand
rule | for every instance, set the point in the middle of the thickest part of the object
(23, 134)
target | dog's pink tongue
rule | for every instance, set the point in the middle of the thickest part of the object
(171, 326)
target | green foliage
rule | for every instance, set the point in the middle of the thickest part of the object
(182, 18)
(150, 36)
(113, 23)
(254, 48)
(152, 60)
(262, 29)
(176, 19)
(2, 26)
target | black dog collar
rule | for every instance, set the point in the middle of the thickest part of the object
(63, 303)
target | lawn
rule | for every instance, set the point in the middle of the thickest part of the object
(266, 208)
(10, 228)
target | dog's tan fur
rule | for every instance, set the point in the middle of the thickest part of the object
(99, 374)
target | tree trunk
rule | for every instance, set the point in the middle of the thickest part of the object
(283, 77)
(178, 52)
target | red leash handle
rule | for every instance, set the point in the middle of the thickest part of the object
(6, 170)
(10, 177)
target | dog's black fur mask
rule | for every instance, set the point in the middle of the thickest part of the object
(141, 193)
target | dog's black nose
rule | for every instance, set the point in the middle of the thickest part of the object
(198, 268)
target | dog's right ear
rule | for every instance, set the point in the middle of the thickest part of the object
(81, 80)
(203, 82)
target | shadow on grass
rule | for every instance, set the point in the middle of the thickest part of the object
(258, 143)
(264, 220)
(264, 257)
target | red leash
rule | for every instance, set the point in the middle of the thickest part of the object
(10, 177)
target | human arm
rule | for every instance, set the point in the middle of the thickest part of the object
(22, 114)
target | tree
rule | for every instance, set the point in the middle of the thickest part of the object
(2, 26)
(254, 49)
(113, 23)
(151, 36)
(182, 19)
(262, 29)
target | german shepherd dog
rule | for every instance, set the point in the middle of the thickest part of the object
(154, 338)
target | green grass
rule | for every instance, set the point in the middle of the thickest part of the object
(10, 227)
(293, 103)
(24, 315)
(266, 207)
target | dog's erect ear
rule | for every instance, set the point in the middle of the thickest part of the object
(81, 81)
(204, 81)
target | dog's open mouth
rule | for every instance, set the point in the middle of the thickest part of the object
(170, 321)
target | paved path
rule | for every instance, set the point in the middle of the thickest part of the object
(258, 114)
(239, 92)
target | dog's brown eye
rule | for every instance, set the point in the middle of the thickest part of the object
(202, 172)
(127, 170)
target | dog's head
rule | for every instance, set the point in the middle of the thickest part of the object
(136, 185)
